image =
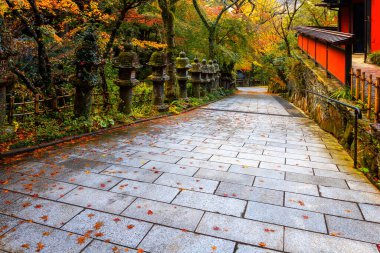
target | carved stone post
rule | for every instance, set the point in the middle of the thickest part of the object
(211, 71)
(182, 67)
(196, 79)
(87, 61)
(217, 74)
(127, 62)
(204, 77)
(7, 78)
(158, 61)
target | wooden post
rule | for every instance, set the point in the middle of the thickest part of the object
(369, 96)
(352, 74)
(363, 86)
(11, 110)
(377, 99)
(36, 104)
(23, 110)
(357, 84)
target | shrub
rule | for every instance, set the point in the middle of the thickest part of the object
(375, 58)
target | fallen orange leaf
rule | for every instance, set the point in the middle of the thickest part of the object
(98, 225)
(40, 246)
(262, 244)
(214, 248)
(130, 226)
(140, 250)
(99, 234)
(150, 212)
(26, 246)
(44, 218)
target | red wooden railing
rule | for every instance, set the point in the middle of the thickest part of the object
(329, 49)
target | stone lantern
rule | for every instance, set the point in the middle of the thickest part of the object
(182, 66)
(127, 62)
(7, 78)
(158, 61)
(211, 69)
(86, 77)
(196, 79)
(205, 77)
(217, 74)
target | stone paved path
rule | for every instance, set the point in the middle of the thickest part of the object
(244, 175)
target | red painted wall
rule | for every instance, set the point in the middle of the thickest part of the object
(375, 25)
(337, 63)
(336, 59)
(345, 19)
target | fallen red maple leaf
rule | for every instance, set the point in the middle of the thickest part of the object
(150, 212)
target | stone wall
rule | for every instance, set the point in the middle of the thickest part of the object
(333, 118)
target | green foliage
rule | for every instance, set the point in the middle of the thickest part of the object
(364, 170)
(375, 58)
(342, 93)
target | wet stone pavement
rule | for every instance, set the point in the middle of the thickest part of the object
(245, 175)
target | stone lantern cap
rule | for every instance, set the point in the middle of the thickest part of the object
(127, 59)
(158, 59)
(204, 66)
(195, 66)
(211, 67)
(216, 66)
(182, 62)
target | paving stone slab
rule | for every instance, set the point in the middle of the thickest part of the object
(288, 186)
(264, 158)
(171, 168)
(204, 164)
(353, 229)
(214, 151)
(350, 195)
(42, 187)
(241, 248)
(29, 237)
(315, 165)
(200, 144)
(162, 239)
(83, 164)
(155, 157)
(96, 199)
(120, 159)
(116, 229)
(7, 176)
(238, 161)
(7, 223)
(103, 247)
(42, 211)
(188, 154)
(146, 190)
(286, 155)
(133, 173)
(286, 168)
(242, 230)
(317, 180)
(212, 203)
(251, 193)
(166, 145)
(188, 183)
(258, 150)
(85, 178)
(323, 205)
(142, 148)
(358, 176)
(257, 171)
(225, 176)
(365, 187)
(370, 212)
(164, 214)
(286, 216)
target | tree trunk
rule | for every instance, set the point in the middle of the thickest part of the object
(167, 14)
(211, 45)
